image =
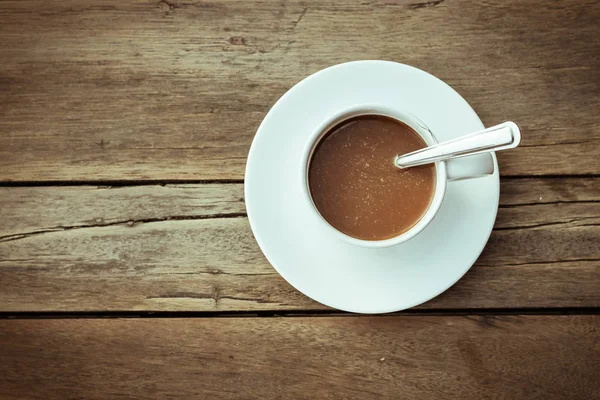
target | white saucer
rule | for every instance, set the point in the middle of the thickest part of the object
(327, 269)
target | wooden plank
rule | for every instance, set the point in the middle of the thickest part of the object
(44, 209)
(108, 90)
(410, 357)
(190, 248)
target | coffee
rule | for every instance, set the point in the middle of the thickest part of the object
(355, 185)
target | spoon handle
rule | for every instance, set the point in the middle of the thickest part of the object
(500, 137)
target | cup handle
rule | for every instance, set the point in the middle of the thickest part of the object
(475, 166)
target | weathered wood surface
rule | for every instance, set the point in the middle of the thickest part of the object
(110, 90)
(435, 357)
(190, 248)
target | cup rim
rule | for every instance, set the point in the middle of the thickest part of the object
(397, 114)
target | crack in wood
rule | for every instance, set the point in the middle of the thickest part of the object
(297, 21)
(433, 3)
(557, 144)
(483, 320)
(541, 203)
(553, 263)
(534, 226)
(215, 296)
(212, 272)
(130, 223)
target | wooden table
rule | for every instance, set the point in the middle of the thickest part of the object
(127, 265)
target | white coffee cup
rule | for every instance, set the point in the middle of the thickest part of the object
(446, 171)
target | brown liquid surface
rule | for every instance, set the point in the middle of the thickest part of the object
(355, 185)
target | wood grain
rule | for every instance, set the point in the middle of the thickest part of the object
(472, 357)
(151, 90)
(190, 248)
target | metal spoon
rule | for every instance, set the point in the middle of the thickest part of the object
(500, 137)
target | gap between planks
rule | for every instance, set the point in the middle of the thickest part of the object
(538, 311)
(164, 182)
